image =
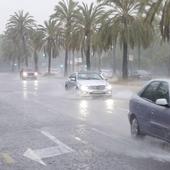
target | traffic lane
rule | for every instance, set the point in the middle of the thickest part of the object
(84, 109)
(92, 146)
(67, 122)
(116, 127)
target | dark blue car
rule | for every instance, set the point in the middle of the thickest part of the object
(149, 110)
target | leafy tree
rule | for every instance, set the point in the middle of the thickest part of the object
(127, 27)
(51, 42)
(65, 12)
(36, 43)
(88, 22)
(20, 25)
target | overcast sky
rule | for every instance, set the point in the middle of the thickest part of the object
(40, 9)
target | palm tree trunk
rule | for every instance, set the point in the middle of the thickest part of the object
(66, 62)
(49, 60)
(168, 66)
(100, 62)
(12, 62)
(114, 59)
(19, 62)
(24, 50)
(125, 61)
(88, 53)
(73, 62)
(139, 58)
(35, 60)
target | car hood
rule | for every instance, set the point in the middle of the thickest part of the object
(92, 82)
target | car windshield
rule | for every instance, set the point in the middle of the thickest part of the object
(87, 76)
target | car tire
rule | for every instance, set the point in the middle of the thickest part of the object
(66, 87)
(135, 129)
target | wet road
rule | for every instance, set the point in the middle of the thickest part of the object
(42, 126)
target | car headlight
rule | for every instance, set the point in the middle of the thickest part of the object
(36, 74)
(84, 88)
(109, 87)
(25, 74)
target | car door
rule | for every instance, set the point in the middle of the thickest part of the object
(160, 115)
(144, 104)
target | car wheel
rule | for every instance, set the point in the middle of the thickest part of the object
(135, 130)
(66, 87)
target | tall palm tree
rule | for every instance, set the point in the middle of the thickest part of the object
(51, 43)
(126, 23)
(36, 43)
(160, 8)
(88, 20)
(20, 24)
(65, 12)
(8, 50)
(13, 41)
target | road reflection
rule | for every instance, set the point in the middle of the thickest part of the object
(30, 87)
(110, 105)
(83, 109)
(24, 88)
(36, 85)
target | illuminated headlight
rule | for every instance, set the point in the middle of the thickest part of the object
(84, 88)
(25, 74)
(109, 87)
(36, 74)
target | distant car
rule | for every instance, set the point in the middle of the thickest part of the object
(142, 74)
(149, 110)
(28, 74)
(88, 84)
(106, 73)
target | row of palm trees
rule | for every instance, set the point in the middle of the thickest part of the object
(88, 29)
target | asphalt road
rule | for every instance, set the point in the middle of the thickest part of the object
(44, 127)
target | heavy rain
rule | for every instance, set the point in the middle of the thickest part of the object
(84, 85)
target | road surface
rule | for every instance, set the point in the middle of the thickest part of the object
(44, 127)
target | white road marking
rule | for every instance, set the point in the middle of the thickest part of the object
(33, 156)
(39, 154)
(80, 140)
(55, 140)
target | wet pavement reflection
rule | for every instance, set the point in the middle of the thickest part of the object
(29, 87)
(84, 109)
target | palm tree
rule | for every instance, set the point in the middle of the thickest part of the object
(126, 23)
(20, 25)
(157, 9)
(12, 42)
(65, 13)
(51, 41)
(88, 20)
(8, 50)
(36, 43)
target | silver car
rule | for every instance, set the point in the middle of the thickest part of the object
(88, 84)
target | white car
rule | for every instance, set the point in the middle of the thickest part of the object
(88, 83)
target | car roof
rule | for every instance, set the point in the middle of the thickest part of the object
(162, 79)
(86, 72)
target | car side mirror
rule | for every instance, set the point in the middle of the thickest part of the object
(162, 102)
